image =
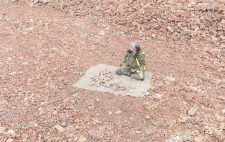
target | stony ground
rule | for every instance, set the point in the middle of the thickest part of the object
(46, 47)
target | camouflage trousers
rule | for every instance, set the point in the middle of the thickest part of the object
(125, 70)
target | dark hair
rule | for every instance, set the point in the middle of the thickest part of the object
(138, 49)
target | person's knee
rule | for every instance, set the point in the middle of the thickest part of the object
(119, 72)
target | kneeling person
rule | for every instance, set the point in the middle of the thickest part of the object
(134, 63)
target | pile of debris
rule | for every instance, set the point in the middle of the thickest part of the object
(105, 79)
(164, 20)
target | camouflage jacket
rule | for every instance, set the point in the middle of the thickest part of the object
(137, 64)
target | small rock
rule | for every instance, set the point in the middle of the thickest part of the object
(70, 130)
(170, 29)
(2, 138)
(11, 133)
(189, 97)
(82, 139)
(9, 140)
(59, 128)
(118, 112)
(64, 124)
(219, 135)
(199, 139)
(192, 111)
(96, 134)
(35, 124)
(208, 138)
(75, 95)
(222, 126)
(97, 121)
(157, 96)
(33, 137)
(222, 98)
(101, 33)
(208, 130)
(149, 131)
(184, 119)
(2, 129)
(172, 79)
(214, 39)
(75, 138)
(196, 89)
(193, 3)
(153, 35)
(223, 111)
(49, 139)
(157, 123)
(219, 118)
(3, 102)
(43, 1)
(120, 33)
(174, 138)
(24, 137)
(147, 117)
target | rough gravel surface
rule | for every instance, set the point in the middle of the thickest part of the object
(46, 46)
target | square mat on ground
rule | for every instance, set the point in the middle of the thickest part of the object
(103, 78)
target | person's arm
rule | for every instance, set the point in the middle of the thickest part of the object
(125, 58)
(141, 59)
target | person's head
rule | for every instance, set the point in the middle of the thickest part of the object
(134, 46)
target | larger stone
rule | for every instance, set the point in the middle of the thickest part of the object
(192, 111)
(59, 128)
